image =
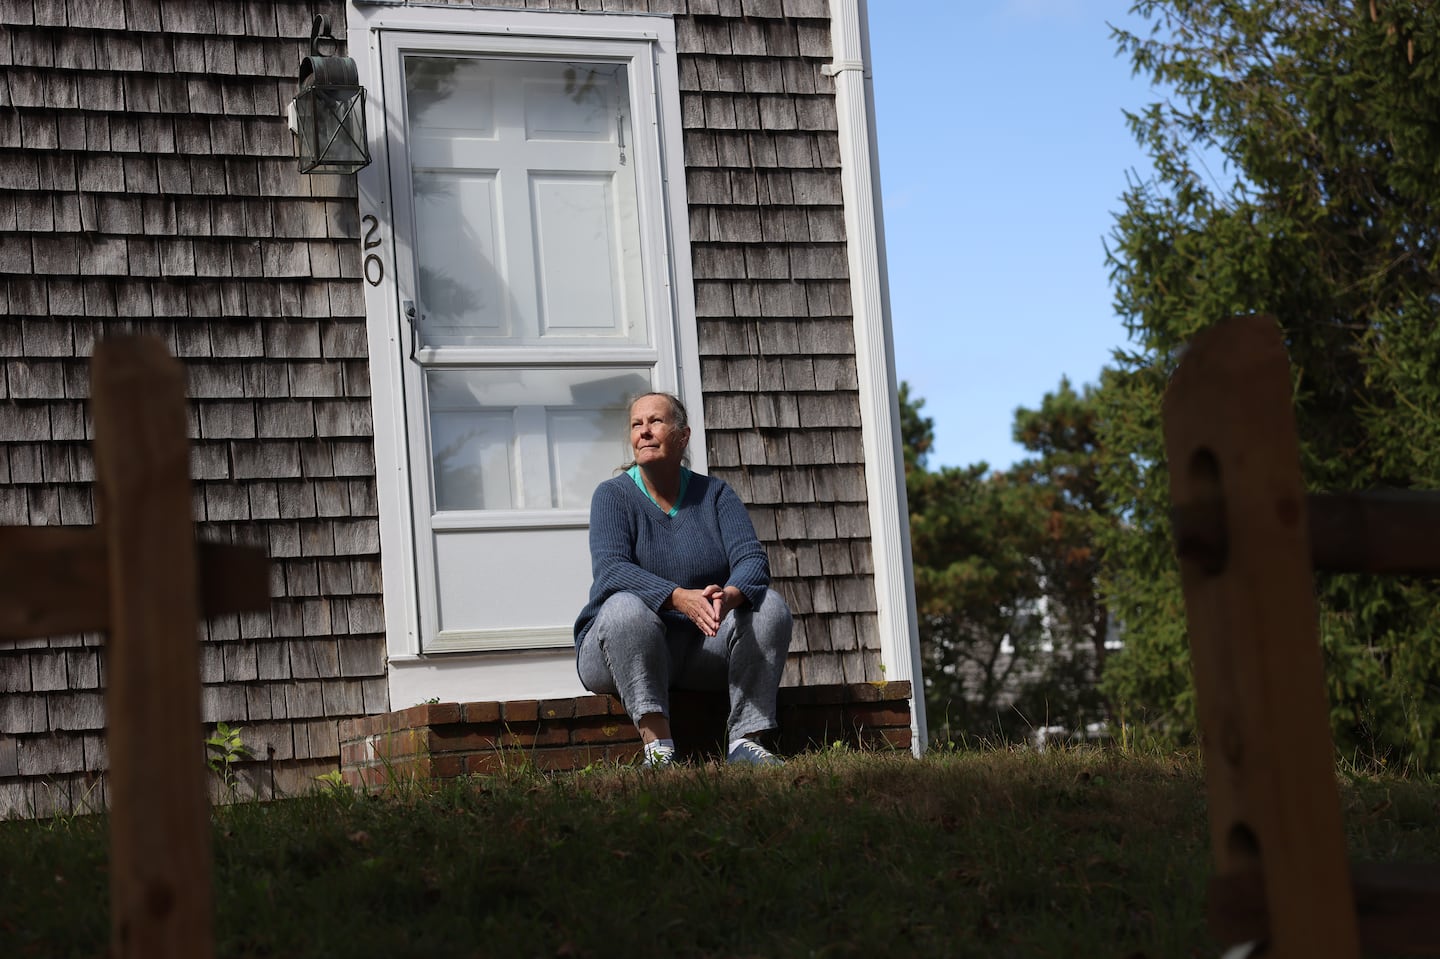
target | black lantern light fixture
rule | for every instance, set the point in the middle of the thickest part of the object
(327, 116)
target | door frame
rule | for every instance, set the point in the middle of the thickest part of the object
(388, 334)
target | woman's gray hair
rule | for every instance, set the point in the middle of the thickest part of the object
(677, 408)
(681, 419)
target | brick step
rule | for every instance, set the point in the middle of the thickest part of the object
(439, 741)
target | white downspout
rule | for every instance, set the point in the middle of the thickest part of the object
(875, 356)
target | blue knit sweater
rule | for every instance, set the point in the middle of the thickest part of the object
(636, 548)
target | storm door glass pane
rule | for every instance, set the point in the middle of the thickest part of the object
(526, 214)
(527, 438)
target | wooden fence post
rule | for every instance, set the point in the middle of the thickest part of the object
(141, 577)
(160, 895)
(1234, 464)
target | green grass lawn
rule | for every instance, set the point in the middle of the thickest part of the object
(991, 853)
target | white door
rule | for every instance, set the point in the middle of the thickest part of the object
(539, 306)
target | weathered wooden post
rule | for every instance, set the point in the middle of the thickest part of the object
(160, 896)
(1248, 536)
(141, 576)
(1234, 464)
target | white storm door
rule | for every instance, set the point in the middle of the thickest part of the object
(539, 308)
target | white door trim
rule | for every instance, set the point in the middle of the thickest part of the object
(387, 334)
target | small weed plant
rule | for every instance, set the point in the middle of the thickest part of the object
(224, 749)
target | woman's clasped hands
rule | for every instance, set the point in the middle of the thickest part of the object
(706, 608)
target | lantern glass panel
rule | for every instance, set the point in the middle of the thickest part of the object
(332, 129)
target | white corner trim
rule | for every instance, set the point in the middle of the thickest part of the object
(875, 357)
(679, 269)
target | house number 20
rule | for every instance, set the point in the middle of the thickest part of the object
(374, 267)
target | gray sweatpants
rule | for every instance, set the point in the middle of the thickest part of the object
(633, 653)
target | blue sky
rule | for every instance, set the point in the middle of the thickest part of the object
(1003, 155)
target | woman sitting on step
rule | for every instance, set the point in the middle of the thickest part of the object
(681, 595)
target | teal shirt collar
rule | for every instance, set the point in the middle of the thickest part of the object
(634, 473)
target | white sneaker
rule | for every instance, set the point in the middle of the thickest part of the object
(747, 752)
(659, 757)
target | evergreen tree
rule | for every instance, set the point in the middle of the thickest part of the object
(1005, 576)
(1297, 174)
(1073, 512)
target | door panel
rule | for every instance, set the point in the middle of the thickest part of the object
(449, 95)
(581, 443)
(473, 461)
(575, 255)
(462, 270)
(575, 105)
(496, 584)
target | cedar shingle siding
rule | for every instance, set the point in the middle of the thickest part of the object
(147, 184)
(777, 352)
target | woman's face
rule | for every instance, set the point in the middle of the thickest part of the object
(653, 435)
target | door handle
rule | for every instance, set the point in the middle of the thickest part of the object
(412, 318)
